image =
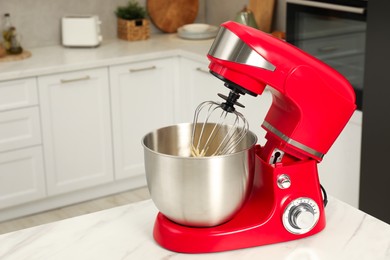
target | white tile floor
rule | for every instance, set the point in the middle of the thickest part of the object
(75, 210)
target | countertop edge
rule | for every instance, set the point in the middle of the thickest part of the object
(112, 52)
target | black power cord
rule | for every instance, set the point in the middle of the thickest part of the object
(324, 195)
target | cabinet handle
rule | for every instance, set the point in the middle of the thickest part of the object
(202, 70)
(336, 7)
(328, 49)
(143, 69)
(76, 79)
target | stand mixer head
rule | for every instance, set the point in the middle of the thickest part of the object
(311, 101)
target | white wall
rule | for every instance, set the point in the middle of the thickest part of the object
(219, 11)
(38, 21)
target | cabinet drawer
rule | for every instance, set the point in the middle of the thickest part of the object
(21, 177)
(18, 93)
(19, 128)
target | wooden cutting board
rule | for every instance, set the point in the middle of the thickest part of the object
(169, 15)
(22, 56)
(263, 10)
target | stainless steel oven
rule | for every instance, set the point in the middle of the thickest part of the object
(333, 31)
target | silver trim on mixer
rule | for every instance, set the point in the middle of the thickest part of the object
(288, 140)
(228, 46)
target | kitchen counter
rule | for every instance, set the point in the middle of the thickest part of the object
(126, 233)
(58, 59)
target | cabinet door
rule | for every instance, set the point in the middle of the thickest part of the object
(22, 176)
(142, 101)
(19, 128)
(197, 84)
(339, 172)
(76, 129)
(18, 93)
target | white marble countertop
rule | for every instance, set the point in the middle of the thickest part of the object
(58, 59)
(126, 233)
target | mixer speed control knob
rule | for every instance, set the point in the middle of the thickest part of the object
(301, 215)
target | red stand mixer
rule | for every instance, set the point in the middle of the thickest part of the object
(311, 105)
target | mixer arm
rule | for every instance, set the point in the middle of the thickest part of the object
(312, 102)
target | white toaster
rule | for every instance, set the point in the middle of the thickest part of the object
(81, 31)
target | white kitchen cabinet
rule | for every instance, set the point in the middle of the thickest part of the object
(339, 171)
(19, 128)
(197, 84)
(76, 126)
(142, 97)
(22, 176)
(18, 93)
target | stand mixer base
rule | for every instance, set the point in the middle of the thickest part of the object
(261, 220)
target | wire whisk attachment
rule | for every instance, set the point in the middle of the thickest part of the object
(220, 131)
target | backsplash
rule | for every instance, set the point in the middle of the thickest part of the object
(218, 11)
(39, 21)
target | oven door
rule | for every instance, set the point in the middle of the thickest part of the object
(334, 32)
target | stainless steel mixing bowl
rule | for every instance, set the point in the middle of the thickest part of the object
(196, 191)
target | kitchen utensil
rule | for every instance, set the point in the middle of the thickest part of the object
(204, 191)
(263, 11)
(196, 27)
(311, 105)
(211, 143)
(81, 31)
(246, 17)
(169, 15)
(197, 31)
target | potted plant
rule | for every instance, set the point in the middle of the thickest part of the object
(132, 25)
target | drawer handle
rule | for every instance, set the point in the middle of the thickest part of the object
(336, 7)
(76, 79)
(202, 70)
(328, 49)
(143, 69)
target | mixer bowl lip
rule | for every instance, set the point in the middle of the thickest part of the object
(190, 157)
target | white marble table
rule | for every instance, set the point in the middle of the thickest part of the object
(126, 233)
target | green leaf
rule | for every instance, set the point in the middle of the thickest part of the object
(132, 11)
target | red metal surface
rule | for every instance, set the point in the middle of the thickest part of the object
(312, 102)
(259, 222)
